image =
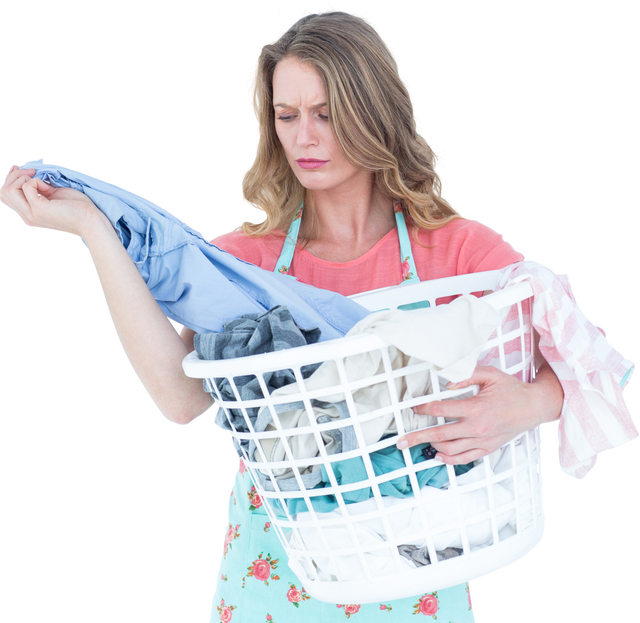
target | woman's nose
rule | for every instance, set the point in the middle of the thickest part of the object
(306, 132)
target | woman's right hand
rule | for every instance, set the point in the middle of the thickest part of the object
(40, 205)
(150, 341)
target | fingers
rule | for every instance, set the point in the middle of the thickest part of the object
(462, 458)
(483, 377)
(453, 443)
(433, 435)
(10, 169)
(15, 172)
(468, 407)
(25, 194)
(462, 384)
(35, 192)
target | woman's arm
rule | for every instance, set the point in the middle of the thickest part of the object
(547, 387)
(151, 343)
(187, 335)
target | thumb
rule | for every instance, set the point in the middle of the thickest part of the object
(482, 375)
(44, 189)
(36, 192)
(475, 379)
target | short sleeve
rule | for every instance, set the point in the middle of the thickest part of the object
(461, 247)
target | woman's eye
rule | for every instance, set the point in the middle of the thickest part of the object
(288, 118)
(324, 117)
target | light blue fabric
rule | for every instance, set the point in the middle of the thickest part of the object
(196, 283)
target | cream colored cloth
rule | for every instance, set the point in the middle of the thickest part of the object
(448, 337)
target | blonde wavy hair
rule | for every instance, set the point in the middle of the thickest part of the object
(370, 113)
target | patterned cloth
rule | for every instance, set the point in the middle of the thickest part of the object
(255, 584)
(592, 373)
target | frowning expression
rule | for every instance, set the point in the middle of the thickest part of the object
(303, 127)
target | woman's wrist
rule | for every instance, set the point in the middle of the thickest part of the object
(548, 394)
(96, 229)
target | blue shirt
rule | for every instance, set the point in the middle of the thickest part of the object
(194, 282)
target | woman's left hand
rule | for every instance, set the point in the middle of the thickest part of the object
(503, 408)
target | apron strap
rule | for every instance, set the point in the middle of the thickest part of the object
(409, 272)
(408, 267)
(286, 256)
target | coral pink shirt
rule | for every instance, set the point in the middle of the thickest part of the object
(458, 248)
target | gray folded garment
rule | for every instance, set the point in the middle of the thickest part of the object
(420, 555)
(253, 334)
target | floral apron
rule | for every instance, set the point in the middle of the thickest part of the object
(255, 584)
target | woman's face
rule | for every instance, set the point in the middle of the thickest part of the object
(302, 125)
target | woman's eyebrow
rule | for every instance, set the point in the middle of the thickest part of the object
(289, 106)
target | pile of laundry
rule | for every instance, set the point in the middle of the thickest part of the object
(438, 507)
(448, 338)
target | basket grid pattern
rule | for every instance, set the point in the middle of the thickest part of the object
(320, 560)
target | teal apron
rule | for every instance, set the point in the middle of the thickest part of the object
(255, 584)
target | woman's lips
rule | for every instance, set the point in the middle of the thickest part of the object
(311, 163)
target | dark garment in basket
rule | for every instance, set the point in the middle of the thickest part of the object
(420, 555)
(253, 334)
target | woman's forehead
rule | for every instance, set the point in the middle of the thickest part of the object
(297, 84)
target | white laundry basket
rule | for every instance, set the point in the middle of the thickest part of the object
(489, 517)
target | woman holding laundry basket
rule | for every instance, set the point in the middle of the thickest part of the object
(352, 204)
(341, 169)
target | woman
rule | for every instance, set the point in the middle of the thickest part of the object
(338, 136)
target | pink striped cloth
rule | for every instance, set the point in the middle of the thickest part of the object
(592, 373)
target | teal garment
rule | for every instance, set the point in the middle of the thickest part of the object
(383, 462)
(255, 582)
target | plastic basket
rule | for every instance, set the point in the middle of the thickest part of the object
(488, 517)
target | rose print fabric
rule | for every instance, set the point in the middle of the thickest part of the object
(255, 584)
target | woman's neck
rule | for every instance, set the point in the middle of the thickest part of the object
(345, 224)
